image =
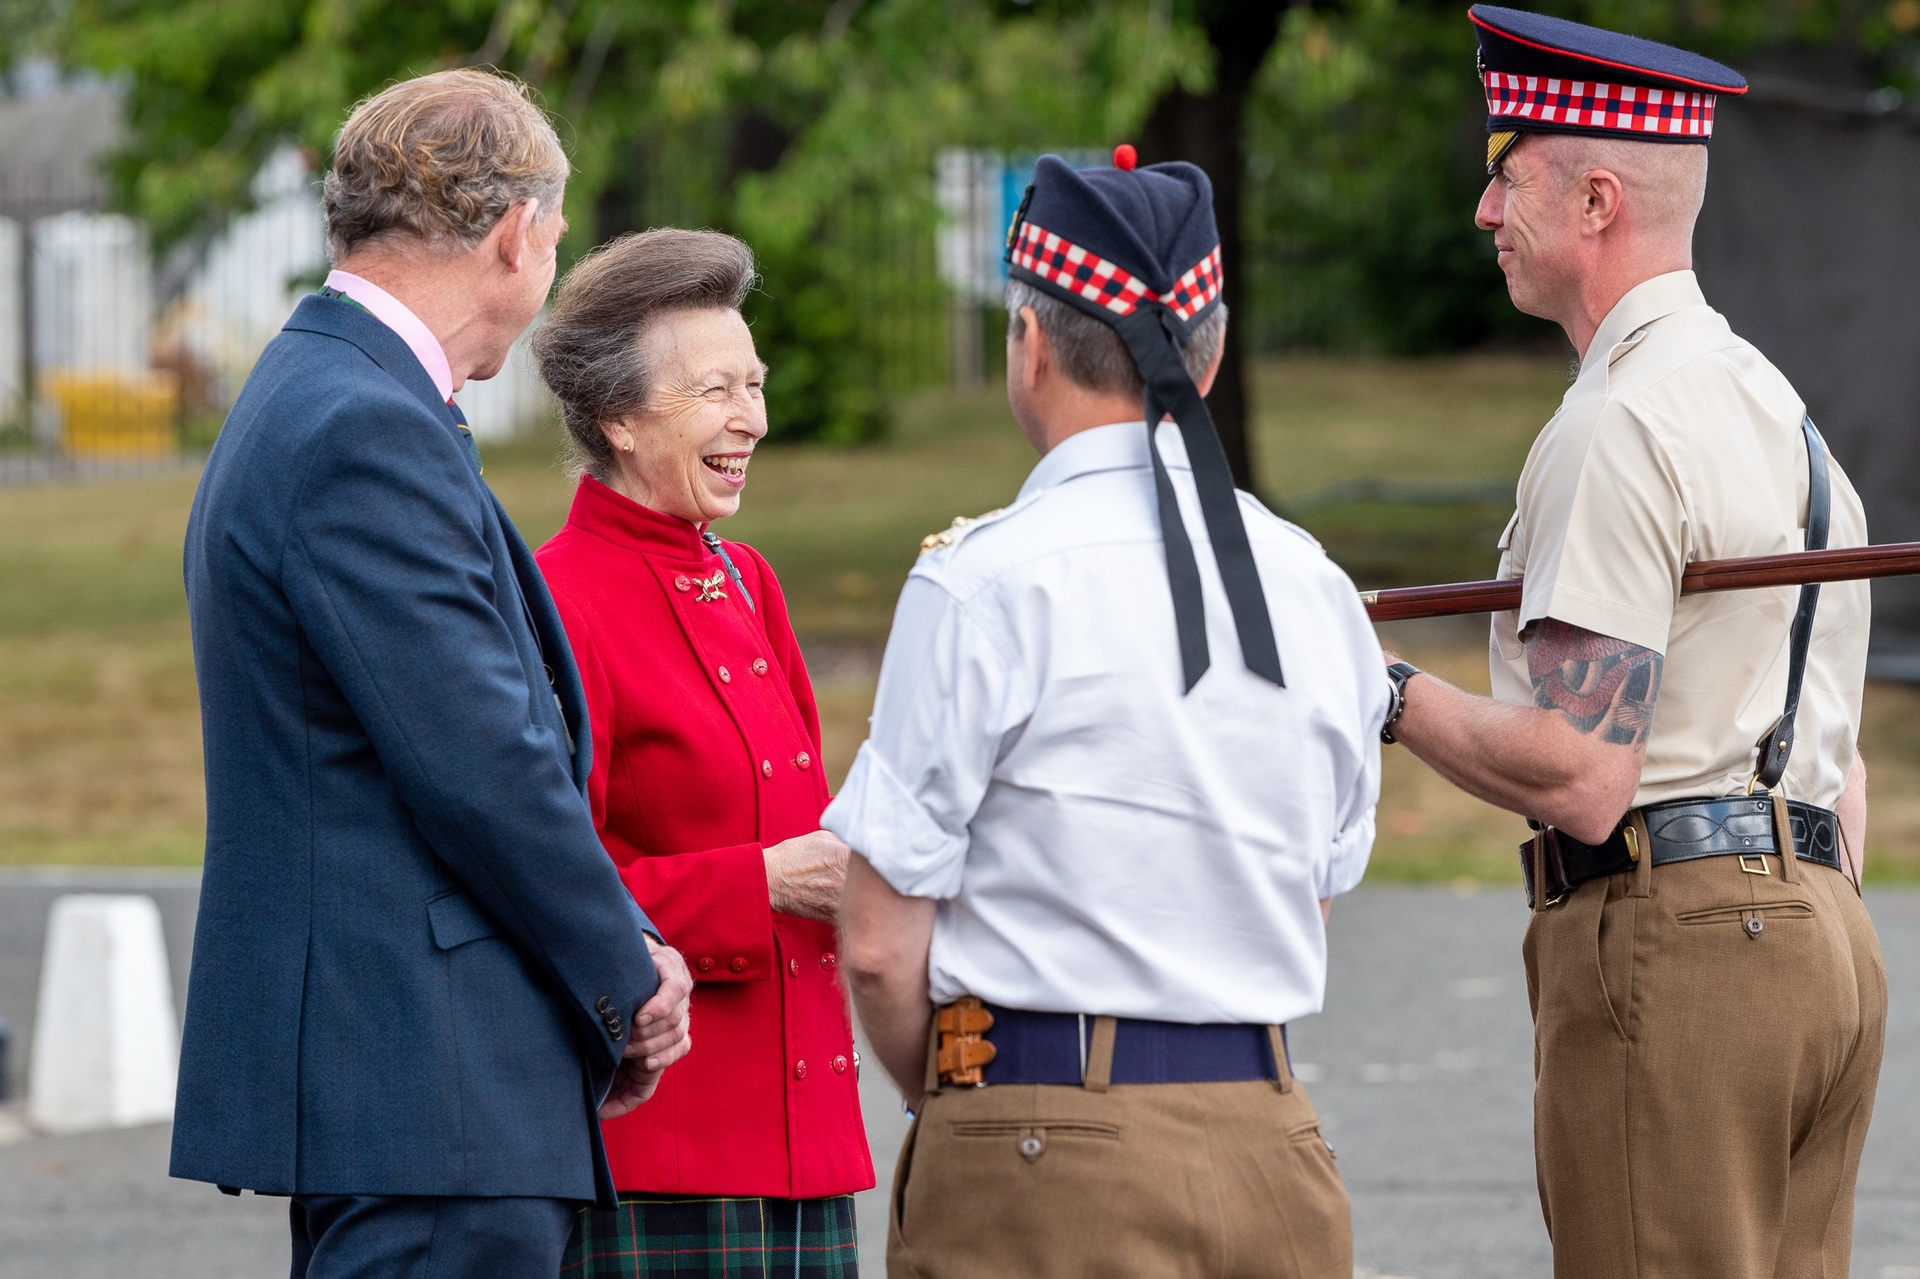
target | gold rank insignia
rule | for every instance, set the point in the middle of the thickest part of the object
(934, 541)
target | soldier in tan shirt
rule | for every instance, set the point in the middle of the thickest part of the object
(1708, 1016)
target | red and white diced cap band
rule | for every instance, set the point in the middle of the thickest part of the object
(1068, 266)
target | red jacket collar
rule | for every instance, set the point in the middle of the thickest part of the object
(599, 510)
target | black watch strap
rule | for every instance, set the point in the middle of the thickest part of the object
(1397, 675)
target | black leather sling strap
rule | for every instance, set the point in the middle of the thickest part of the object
(1150, 334)
(1777, 744)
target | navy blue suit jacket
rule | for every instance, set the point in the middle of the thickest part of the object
(407, 924)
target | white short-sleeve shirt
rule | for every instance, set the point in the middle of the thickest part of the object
(1680, 442)
(1099, 841)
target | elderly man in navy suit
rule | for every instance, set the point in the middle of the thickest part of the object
(416, 976)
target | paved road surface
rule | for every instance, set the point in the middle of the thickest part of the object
(1421, 1071)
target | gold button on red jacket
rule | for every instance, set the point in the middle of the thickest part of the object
(686, 807)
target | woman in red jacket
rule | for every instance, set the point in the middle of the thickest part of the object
(707, 783)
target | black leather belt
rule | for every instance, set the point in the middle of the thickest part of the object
(1051, 1048)
(1682, 830)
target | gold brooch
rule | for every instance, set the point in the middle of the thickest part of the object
(710, 587)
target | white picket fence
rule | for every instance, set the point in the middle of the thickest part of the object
(103, 307)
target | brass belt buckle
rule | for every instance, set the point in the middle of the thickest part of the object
(1760, 864)
(964, 1053)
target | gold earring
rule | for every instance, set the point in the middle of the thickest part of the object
(626, 448)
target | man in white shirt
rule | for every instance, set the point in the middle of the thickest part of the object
(1097, 825)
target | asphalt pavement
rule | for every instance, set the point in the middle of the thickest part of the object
(1421, 1069)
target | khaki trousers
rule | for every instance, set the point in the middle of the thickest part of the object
(1706, 1045)
(1149, 1181)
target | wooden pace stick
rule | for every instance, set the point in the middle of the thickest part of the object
(1847, 564)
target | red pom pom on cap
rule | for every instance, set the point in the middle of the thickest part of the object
(1124, 156)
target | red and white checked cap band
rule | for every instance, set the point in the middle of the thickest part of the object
(1632, 110)
(1066, 265)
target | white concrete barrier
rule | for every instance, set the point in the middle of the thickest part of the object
(106, 1045)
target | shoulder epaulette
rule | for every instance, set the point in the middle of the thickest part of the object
(956, 530)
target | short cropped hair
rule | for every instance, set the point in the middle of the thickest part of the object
(1665, 182)
(1094, 355)
(589, 346)
(441, 159)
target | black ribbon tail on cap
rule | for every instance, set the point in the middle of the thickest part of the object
(1155, 345)
(1183, 571)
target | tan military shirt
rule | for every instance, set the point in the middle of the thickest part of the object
(1680, 442)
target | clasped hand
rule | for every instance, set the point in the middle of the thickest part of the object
(661, 1034)
(805, 876)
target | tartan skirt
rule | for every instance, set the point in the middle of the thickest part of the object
(715, 1238)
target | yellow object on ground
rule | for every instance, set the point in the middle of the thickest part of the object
(115, 414)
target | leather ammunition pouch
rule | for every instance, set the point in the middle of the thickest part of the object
(963, 1051)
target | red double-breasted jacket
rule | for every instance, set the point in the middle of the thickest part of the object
(706, 751)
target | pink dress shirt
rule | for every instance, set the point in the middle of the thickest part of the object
(394, 313)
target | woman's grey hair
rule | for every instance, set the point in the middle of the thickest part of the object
(589, 346)
(1092, 354)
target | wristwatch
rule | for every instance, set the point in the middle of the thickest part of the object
(1397, 676)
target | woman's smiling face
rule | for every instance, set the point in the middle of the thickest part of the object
(685, 452)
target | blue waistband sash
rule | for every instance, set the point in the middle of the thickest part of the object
(1049, 1048)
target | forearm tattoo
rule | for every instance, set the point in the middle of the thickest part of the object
(1600, 684)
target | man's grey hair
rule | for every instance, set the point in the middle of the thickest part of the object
(1093, 355)
(589, 348)
(440, 159)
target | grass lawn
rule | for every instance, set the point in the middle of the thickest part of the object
(99, 725)
(100, 731)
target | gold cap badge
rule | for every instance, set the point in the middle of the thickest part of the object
(1498, 144)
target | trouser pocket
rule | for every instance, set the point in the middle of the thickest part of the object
(1032, 1140)
(1752, 918)
(902, 1169)
(1309, 1137)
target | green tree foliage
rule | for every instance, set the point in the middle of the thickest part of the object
(1365, 144)
(24, 28)
(1362, 181)
(807, 127)
(865, 109)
